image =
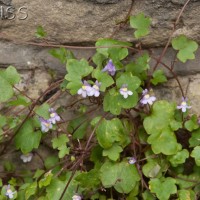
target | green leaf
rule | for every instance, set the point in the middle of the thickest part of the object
(195, 138)
(196, 155)
(178, 158)
(11, 75)
(78, 127)
(55, 189)
(158, 77)
(162, 138)
(98, 59)
(147, 196)
(27, 139)
(60, 143)
(51, 161)
(62, 54)
(192, 124)
(40, 32)
(74, 86)
(46, 180)
(112, 96)
(111, 131)
(103, 78)
(6, 90)
(122, 176)
(140, 65)
(163, 187)
(141, 24)
(3, 120)
(43, 111)
(133, 82)
(21, 100)
(89, 180)
(186, 48)
(175, 125)
(76, 70)
(113, 153)
(151, 169)
(186, 195)
(30, 190)
(115, 53)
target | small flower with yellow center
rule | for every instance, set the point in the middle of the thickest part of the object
(54, 117)
(95, 89)
(184, 106)
(147, 98)
(45, 124)
(85, 89)
(9, 192)
(124, 91)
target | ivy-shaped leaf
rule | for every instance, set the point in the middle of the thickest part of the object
(186, 195)
(163, 187)
(77, 69)
(6, 90)
(192, 123)
(195, 138)
(61, 54)
(57, 186)
(158, 77)
(103, 78)
(162, 138)
(78, 127)
(122, 176)
(140, 65)
(46, 180)
(178, 158)
(111, 131)
(113, 153)
(141, 24)
(11, 75)
(60, 143)
(43, 111)
(89, 180)
(115, 53)
(31, 190)
(186, 48)
(151, 169)
(196, 155)
(112, 96)
(27, 139)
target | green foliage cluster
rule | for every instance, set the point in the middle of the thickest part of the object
(92, 153)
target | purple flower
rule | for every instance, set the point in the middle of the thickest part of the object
(45, 124)
(147, 99)
(76, 197)
(124, 91)
(9, 192)
(132, 160)
(184, 106)
(110, 68)
(95, 89)
(85, 89)
(54, 117)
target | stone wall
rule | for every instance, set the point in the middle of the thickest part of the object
(82, 22)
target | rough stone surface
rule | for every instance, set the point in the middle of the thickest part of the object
(191, 87)
(84, 21)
